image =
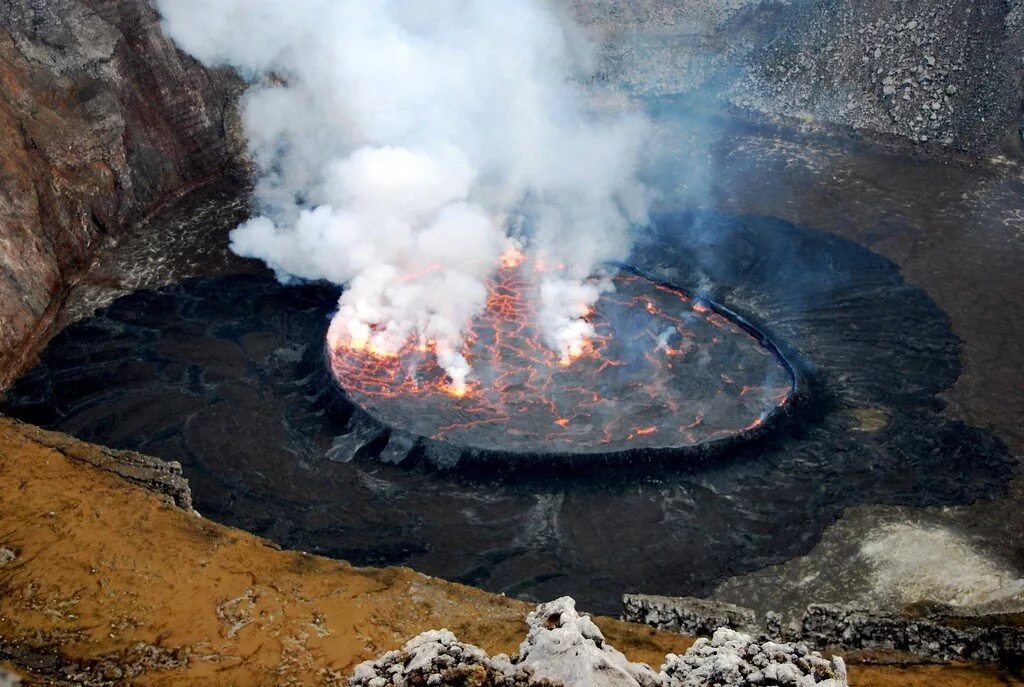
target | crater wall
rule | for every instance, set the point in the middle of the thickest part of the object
(939, 76)
(101, 120)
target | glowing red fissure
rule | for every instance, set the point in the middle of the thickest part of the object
(515, 373)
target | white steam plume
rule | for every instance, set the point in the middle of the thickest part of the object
(400, 142)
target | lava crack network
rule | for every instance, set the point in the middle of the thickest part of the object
(663, 371)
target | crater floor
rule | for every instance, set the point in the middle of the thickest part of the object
(226, 375)
(905, 306)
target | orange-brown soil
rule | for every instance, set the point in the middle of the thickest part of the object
(110, 582)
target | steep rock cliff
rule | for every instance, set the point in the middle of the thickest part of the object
(101, 119)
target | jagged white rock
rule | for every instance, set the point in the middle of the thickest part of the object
(437, 658)
(565, 649)
(734, 658)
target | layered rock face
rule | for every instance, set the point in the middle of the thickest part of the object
(942, 75)
(161, 477)
(101, 119)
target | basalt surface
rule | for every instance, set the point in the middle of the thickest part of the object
(192, 372)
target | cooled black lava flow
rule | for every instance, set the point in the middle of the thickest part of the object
(225, 376)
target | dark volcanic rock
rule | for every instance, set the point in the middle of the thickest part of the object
(937, 634)
(983, 639)
(101, 119)
(689, 616)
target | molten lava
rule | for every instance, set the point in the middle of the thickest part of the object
(662, 370)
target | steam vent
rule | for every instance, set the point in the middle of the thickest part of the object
(533, 343)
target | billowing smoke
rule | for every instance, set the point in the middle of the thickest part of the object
(404, 145)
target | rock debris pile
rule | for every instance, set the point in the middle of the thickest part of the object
(569, 649)
(941, 74)
(734, 658)
(437, 658)
(565, 649)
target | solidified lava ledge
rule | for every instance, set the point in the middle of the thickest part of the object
(227, 375)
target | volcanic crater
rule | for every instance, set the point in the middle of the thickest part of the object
(228, 375)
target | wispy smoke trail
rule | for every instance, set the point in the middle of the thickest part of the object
(403, 145)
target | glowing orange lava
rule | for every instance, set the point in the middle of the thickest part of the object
(661, 371)
(512, 257)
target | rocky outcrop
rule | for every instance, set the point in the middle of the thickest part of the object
(569, 649)
(101, 120)
(564, 649)
(687, 615)
(734, 658)
(438, 658)
(935, 634)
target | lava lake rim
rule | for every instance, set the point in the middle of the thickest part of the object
(797, 407)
